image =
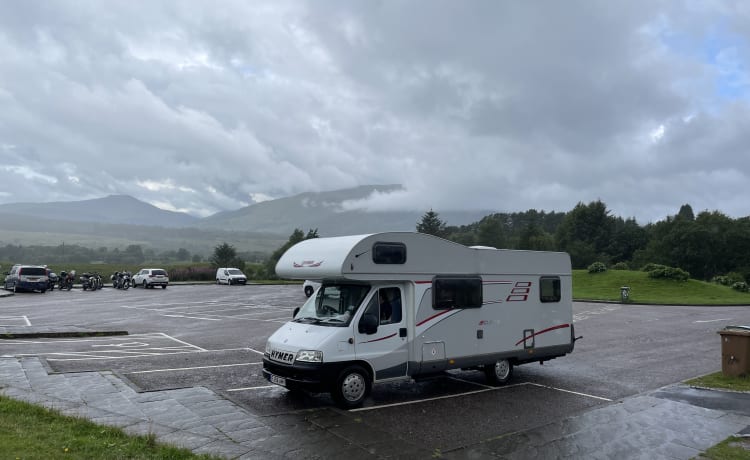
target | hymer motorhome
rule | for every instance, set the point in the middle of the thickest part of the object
(403, 305)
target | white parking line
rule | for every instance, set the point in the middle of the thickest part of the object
(252, 388)
(570, 391)
(192, 368)
(712, 320)
(416, 401)
(192, 317)
(181, 341)
(11, 320)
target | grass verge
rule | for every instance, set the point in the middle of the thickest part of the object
(732, 448)
(719, 380)
(32, 432)
(606, 286)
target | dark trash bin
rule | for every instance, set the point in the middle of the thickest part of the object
(735, 351)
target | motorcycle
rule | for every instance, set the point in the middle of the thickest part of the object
(89, 281)
(98, 283)
(66, 279)
(121, 280)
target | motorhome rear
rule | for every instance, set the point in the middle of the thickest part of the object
(403, 305)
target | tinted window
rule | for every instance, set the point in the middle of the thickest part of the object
(389, 253)
(549, 289)
(33, 271)
(456, 292)
(159, 272)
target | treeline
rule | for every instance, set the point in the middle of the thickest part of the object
(133, 254)
(707, 245)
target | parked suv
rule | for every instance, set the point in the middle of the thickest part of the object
(150, 277)
(26, 278)
(230, 276)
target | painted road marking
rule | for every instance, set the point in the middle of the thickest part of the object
(192, 317)
(264, 387)
(417, 401)
(712, 320)
(136, 345)
(22, 321)
(192, 368)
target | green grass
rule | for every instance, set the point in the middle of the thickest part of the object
(732, 448)
(31, 432)
(719, 380)
(606, 286)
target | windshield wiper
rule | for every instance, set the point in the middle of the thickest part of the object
(308, 319)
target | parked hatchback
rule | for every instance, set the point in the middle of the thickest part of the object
(150, 277)
(27, 278)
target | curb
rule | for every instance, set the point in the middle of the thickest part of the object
(58, 334)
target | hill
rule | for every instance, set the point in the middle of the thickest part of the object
(324, 211)
(113, 209)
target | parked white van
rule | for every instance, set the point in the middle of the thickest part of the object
(403, 305)
(230, 276)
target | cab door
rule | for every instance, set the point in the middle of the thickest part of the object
(380, 334)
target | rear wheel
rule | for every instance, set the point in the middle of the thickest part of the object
(163, 286)
(352, 387)
(499, 372)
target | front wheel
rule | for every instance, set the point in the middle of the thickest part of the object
(352, 387)
(499, 372)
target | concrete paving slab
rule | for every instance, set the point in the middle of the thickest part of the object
(649, 425)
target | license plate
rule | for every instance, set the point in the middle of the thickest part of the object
(278, 380)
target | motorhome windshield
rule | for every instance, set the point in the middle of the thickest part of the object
(334, 305)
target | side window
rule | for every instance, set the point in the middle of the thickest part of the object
(386, 305)
(456, 292)
(389, 253)
(549, 289)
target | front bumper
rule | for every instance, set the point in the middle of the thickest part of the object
(313, 377)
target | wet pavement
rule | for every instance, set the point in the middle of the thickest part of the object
(190, 375)
(676, 422)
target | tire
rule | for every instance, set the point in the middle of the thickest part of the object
(145, 284)
(217, 281)
(126, 285)
(69, 286)
(163, 286)
(309, 291)
(499, 372)
(352, 386)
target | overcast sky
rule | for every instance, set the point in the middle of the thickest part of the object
(200, 106)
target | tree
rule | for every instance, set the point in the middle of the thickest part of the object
(431, 224)
(586, 233)
(491, 232)
(224, 255)
(183, 254)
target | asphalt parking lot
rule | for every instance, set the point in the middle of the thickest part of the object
(214, 336)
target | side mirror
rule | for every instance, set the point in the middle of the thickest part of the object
(296, 310)
(368, 324)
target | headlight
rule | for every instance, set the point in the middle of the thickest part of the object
(310, 356)
(268, 350)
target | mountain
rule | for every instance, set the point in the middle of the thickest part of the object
(113, 209)
(323, 210)
(119, 221)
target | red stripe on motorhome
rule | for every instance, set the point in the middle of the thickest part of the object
(559, 326)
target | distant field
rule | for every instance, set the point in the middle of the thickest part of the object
(606, 286)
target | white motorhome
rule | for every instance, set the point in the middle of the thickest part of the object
(403, 305)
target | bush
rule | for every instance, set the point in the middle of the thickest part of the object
(740, 286)
(620, 266)
(597, 267)
(651, 267)
(670, 273)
